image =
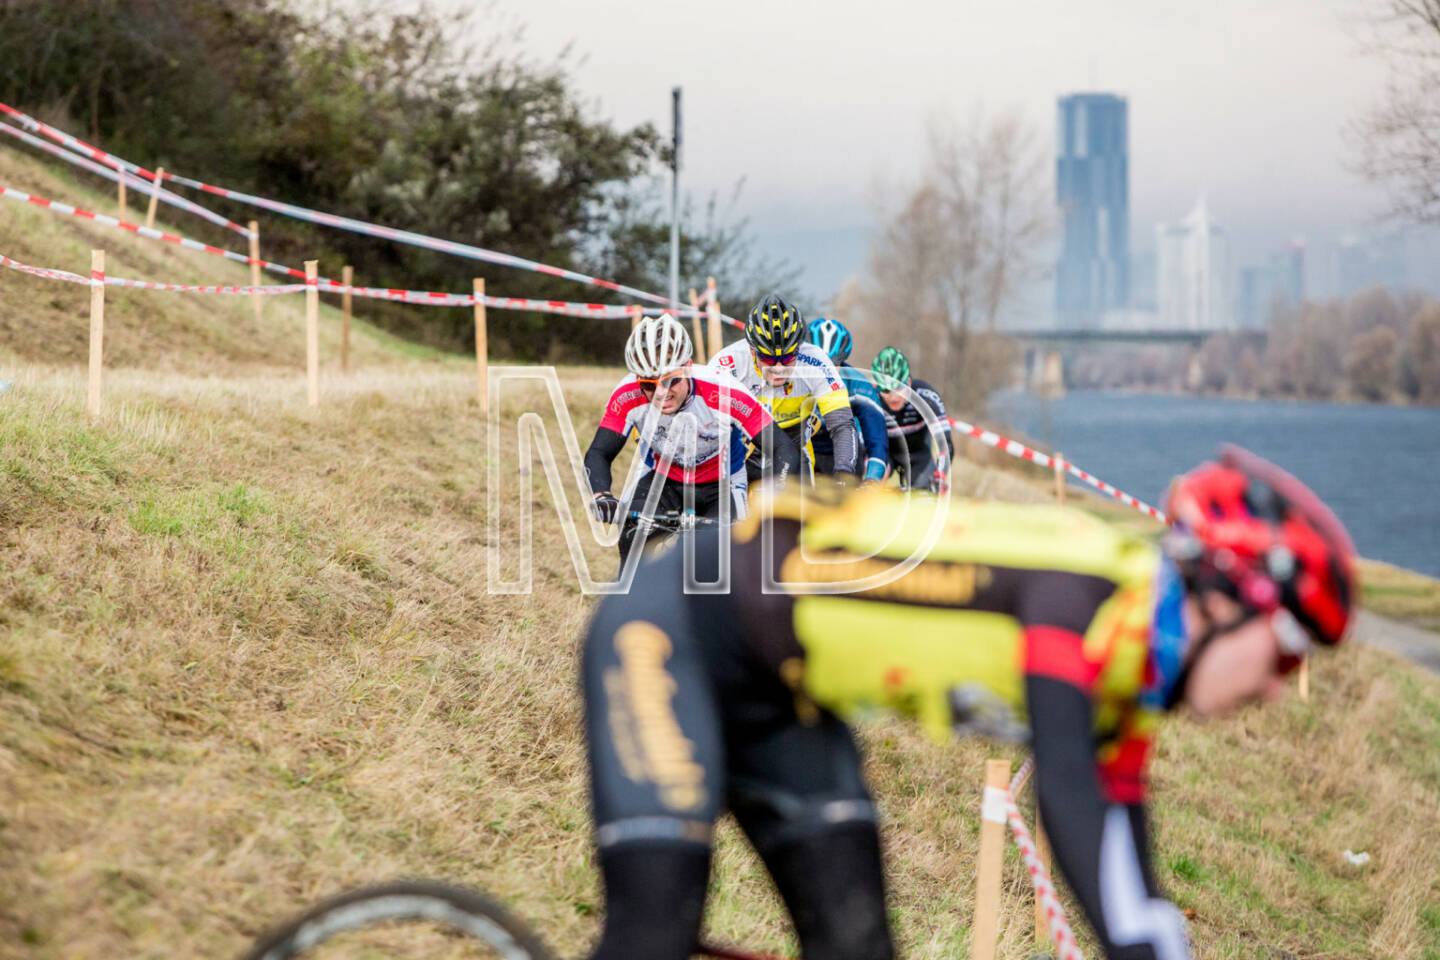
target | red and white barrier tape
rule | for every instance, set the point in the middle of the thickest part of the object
(1061, 935)
(99, 279)
(1017, 449)
(601, 311)
(142, 187)
(79, 146)
(425, 297)
(333, 220)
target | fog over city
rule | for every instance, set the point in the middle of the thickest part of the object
(817, 105)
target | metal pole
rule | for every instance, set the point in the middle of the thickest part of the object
(675, 197)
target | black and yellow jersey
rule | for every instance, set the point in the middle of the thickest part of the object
(996, 592)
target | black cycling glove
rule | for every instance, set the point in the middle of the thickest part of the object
(605, 507)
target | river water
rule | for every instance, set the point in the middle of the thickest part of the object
(1378, 467)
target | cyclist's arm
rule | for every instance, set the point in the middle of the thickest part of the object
(782, 455)
(1091, 812)
(871, 420)
(610, 436)
(944, 451)
(1101, 847)
(832, 400)
(603, 450)
(840, 422)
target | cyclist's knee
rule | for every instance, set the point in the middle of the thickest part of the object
(654, 898)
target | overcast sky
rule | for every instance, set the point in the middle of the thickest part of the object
(1245, 100)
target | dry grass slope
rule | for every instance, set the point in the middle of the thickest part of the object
(247, 658)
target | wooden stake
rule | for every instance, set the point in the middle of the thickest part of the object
(124, 213)
(1059, 477)
(312, 330)
(695, 325)
(1042, 850)
(1304, 679)
(347, 277)
(635, 315)
(985, 931)
(154, 197)
(712, 310)
(482, 350)
(255, 298)
(97, 328)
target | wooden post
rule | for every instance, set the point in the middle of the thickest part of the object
(1304, 679)
(985, 931)
(255, 266)
(312, 330)
(695, 326)
(636, 313)
(97, 328)
(1042, 851)
(154, 197)
(124, 212)
(1056, 458)
(482, 350)
(347, 277)
(712, 309)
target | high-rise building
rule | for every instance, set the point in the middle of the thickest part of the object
(1192, 273)
(1092, 188)
(1279, 282)
(1375, 261)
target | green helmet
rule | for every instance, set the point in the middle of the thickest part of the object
(891, 370)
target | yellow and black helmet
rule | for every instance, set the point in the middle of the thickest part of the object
(775, 327)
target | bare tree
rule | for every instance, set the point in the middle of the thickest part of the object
(1370, 364)
(956, 250)
(1422, 355)
(1398, 140)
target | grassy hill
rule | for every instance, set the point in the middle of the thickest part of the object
(247, 658)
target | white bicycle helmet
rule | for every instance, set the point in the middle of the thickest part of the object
(657, 346)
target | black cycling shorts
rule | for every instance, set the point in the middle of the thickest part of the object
(684, 721)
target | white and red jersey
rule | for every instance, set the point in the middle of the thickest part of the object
(687, 443)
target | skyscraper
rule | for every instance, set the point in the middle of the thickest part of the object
(1092, 187)
(1192, 273)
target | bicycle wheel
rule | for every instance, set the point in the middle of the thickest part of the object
(403, 919)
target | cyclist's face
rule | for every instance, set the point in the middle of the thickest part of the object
(894, 399)
(668, 392)
(1238, 666)
(776, 370)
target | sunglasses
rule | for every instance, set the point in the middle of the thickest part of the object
(784, 360)
(648, 385)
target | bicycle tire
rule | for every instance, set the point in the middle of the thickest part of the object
(453, 907)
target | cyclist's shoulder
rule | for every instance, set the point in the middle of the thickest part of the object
(815, 371)
(924, 389)
(732, 359)
(720, 391)
(855, 378)
(626, 396)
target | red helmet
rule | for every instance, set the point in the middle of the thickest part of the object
(1247, 526)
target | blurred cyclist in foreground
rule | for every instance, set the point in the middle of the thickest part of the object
(1038, 624)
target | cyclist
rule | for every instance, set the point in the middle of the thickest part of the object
(1035, 623)
(794, 379)
(871, 418)
(919, 452)
(680, 418)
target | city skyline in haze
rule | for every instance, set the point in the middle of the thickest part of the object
(816, 106)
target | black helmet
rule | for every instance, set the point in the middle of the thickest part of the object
(775, 327)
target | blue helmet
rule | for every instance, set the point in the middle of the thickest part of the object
(832, 337)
